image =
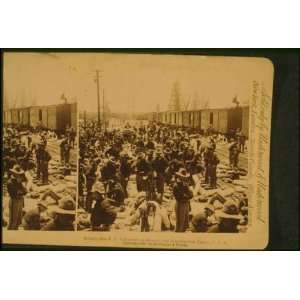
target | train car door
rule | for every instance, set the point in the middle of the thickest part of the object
(235, 118)
(63, 117)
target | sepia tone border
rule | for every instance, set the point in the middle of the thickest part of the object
(69, 241)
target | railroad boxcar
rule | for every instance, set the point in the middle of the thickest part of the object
(222, 123)
(179, 114)
(164, 118)
(9, 117)
(214, 118)
(63, 117)
(14, 116)
(35, 116)
(185, 119)
(196, 119)
(51, 113)
(25, 116)
(235, 119)
(44, 121)
(205, 119)
(170, 118)
(54, 117)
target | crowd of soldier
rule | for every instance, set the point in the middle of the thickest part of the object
(25, 165)
(158, 157)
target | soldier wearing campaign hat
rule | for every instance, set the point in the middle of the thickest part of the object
(211, 161)
(160, 165)
(183, 195)
(229, 218)
(43, 157)
(63, 215)
(16, 190)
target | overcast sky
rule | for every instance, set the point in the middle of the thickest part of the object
(140, 81)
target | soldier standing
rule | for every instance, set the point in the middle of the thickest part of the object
(211, 161)
(183, 195)
(44, 157)
(62, 149)
(233, 154)
(16, 190)
(160, 165)
(67, 149)
(242, 143)
(142, 170)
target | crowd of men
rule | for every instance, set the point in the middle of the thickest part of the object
(169, 165)
(26, 170)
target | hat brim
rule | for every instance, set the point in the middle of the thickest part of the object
(17, 173)
(223, 215)
(182, 176)
(62, 211)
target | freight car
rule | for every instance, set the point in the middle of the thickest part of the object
(54, 117)
(223, 120)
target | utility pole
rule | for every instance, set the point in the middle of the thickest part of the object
(98, 97)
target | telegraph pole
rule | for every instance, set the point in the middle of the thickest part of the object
(98, 97)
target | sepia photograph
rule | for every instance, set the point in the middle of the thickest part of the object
(136, 150)
(39, 144)
(164, 145)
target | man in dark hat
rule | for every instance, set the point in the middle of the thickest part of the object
(109, 170)
(211, 161)
(104, 211)
(142, 170)
(63, 147)
(43, 157)
(63, 216)
(16, 190)
(229, 218)
(115, 192)
(72, 137)
(67, 151)
(183, 195)
(233, 154)
(96, 197)
(241, 141)
(160, 165)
